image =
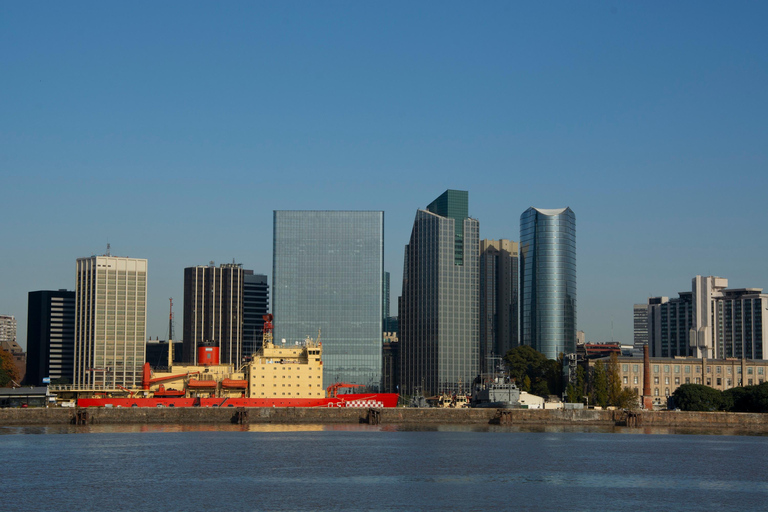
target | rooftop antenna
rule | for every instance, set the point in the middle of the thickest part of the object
(108, 250)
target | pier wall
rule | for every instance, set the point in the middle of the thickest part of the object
(520, 417)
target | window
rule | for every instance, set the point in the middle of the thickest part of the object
(677, 369)
(728, 382)
(666, 368)
(666, 381)
(719, 381)
(656, 392)
(634, 368)
(635, 380)
(760, 370)
(738, 369)
(709, 369)
(729, 370)
(749, 382)
(749, 371)
(717, 369)
(687, 369)
(655, 368)
(625, 379)
(687, 380)
(677, 381)
(625, 367)
(655, 380)
(709, 382)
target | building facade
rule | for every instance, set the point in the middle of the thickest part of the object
(213, 311)
(255, 306)
(327, 277)
(51, 337)
(548, 280)
(711, 321)
(110, 321)
(439, 314)
(498, 299)
(7, 328)
(668, 373)
(640, 317)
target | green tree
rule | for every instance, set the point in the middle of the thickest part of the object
(614, 380)
(746, 399)
(599, 384)
(8, 370)
(524, 360)
(575, 393)
(697, 397)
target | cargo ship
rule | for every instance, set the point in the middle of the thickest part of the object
(278, 375)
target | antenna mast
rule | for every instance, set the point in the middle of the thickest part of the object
(170, 335)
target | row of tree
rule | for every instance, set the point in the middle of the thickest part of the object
(536, 374)
(698, 397)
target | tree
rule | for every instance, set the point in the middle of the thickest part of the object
(575, 393)
(614, 380)
(599, 384)
(8, 370)
(697, 397)
(627, 399)
(746, 399)
(533, 372)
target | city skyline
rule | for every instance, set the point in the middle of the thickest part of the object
(178, 145)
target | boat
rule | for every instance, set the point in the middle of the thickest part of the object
(495, 390)
(278, 375)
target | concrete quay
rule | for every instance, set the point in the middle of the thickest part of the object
(405, 416)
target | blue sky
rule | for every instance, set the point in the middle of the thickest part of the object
(172, 130)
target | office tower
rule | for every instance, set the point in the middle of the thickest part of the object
(110, 321)
(385, 298)
(548, 280)
(498, 299)
(327, 275)
(640, 316)
(51, 337)
(255, 306)
(438, 309)
(213, 311)
(741, 315)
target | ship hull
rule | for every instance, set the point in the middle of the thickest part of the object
(362, 400)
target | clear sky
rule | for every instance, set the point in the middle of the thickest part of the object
(172, 130)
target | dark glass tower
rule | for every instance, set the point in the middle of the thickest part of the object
(438, 310)
(548, 280)
(328, 269)
(213, 311)
(51, 337)
(255, 306)
(498, 299)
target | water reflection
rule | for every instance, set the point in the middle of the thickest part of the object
(350, 427)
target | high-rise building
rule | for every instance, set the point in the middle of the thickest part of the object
(498, 299)
(640, 316)
(7, 328)
(711, 321)
(110, 321)
(327, 276)
(51, 337)
(213, 311)
(548, 280)
(439, 307)
(255, 306)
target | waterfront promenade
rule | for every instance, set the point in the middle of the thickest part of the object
(519, 417)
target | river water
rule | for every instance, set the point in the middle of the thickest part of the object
(341, 467)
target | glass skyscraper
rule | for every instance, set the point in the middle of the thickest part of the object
(439, 307)
(548, 280)
(328, 268)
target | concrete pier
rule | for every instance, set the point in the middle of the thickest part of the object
(405, 416)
